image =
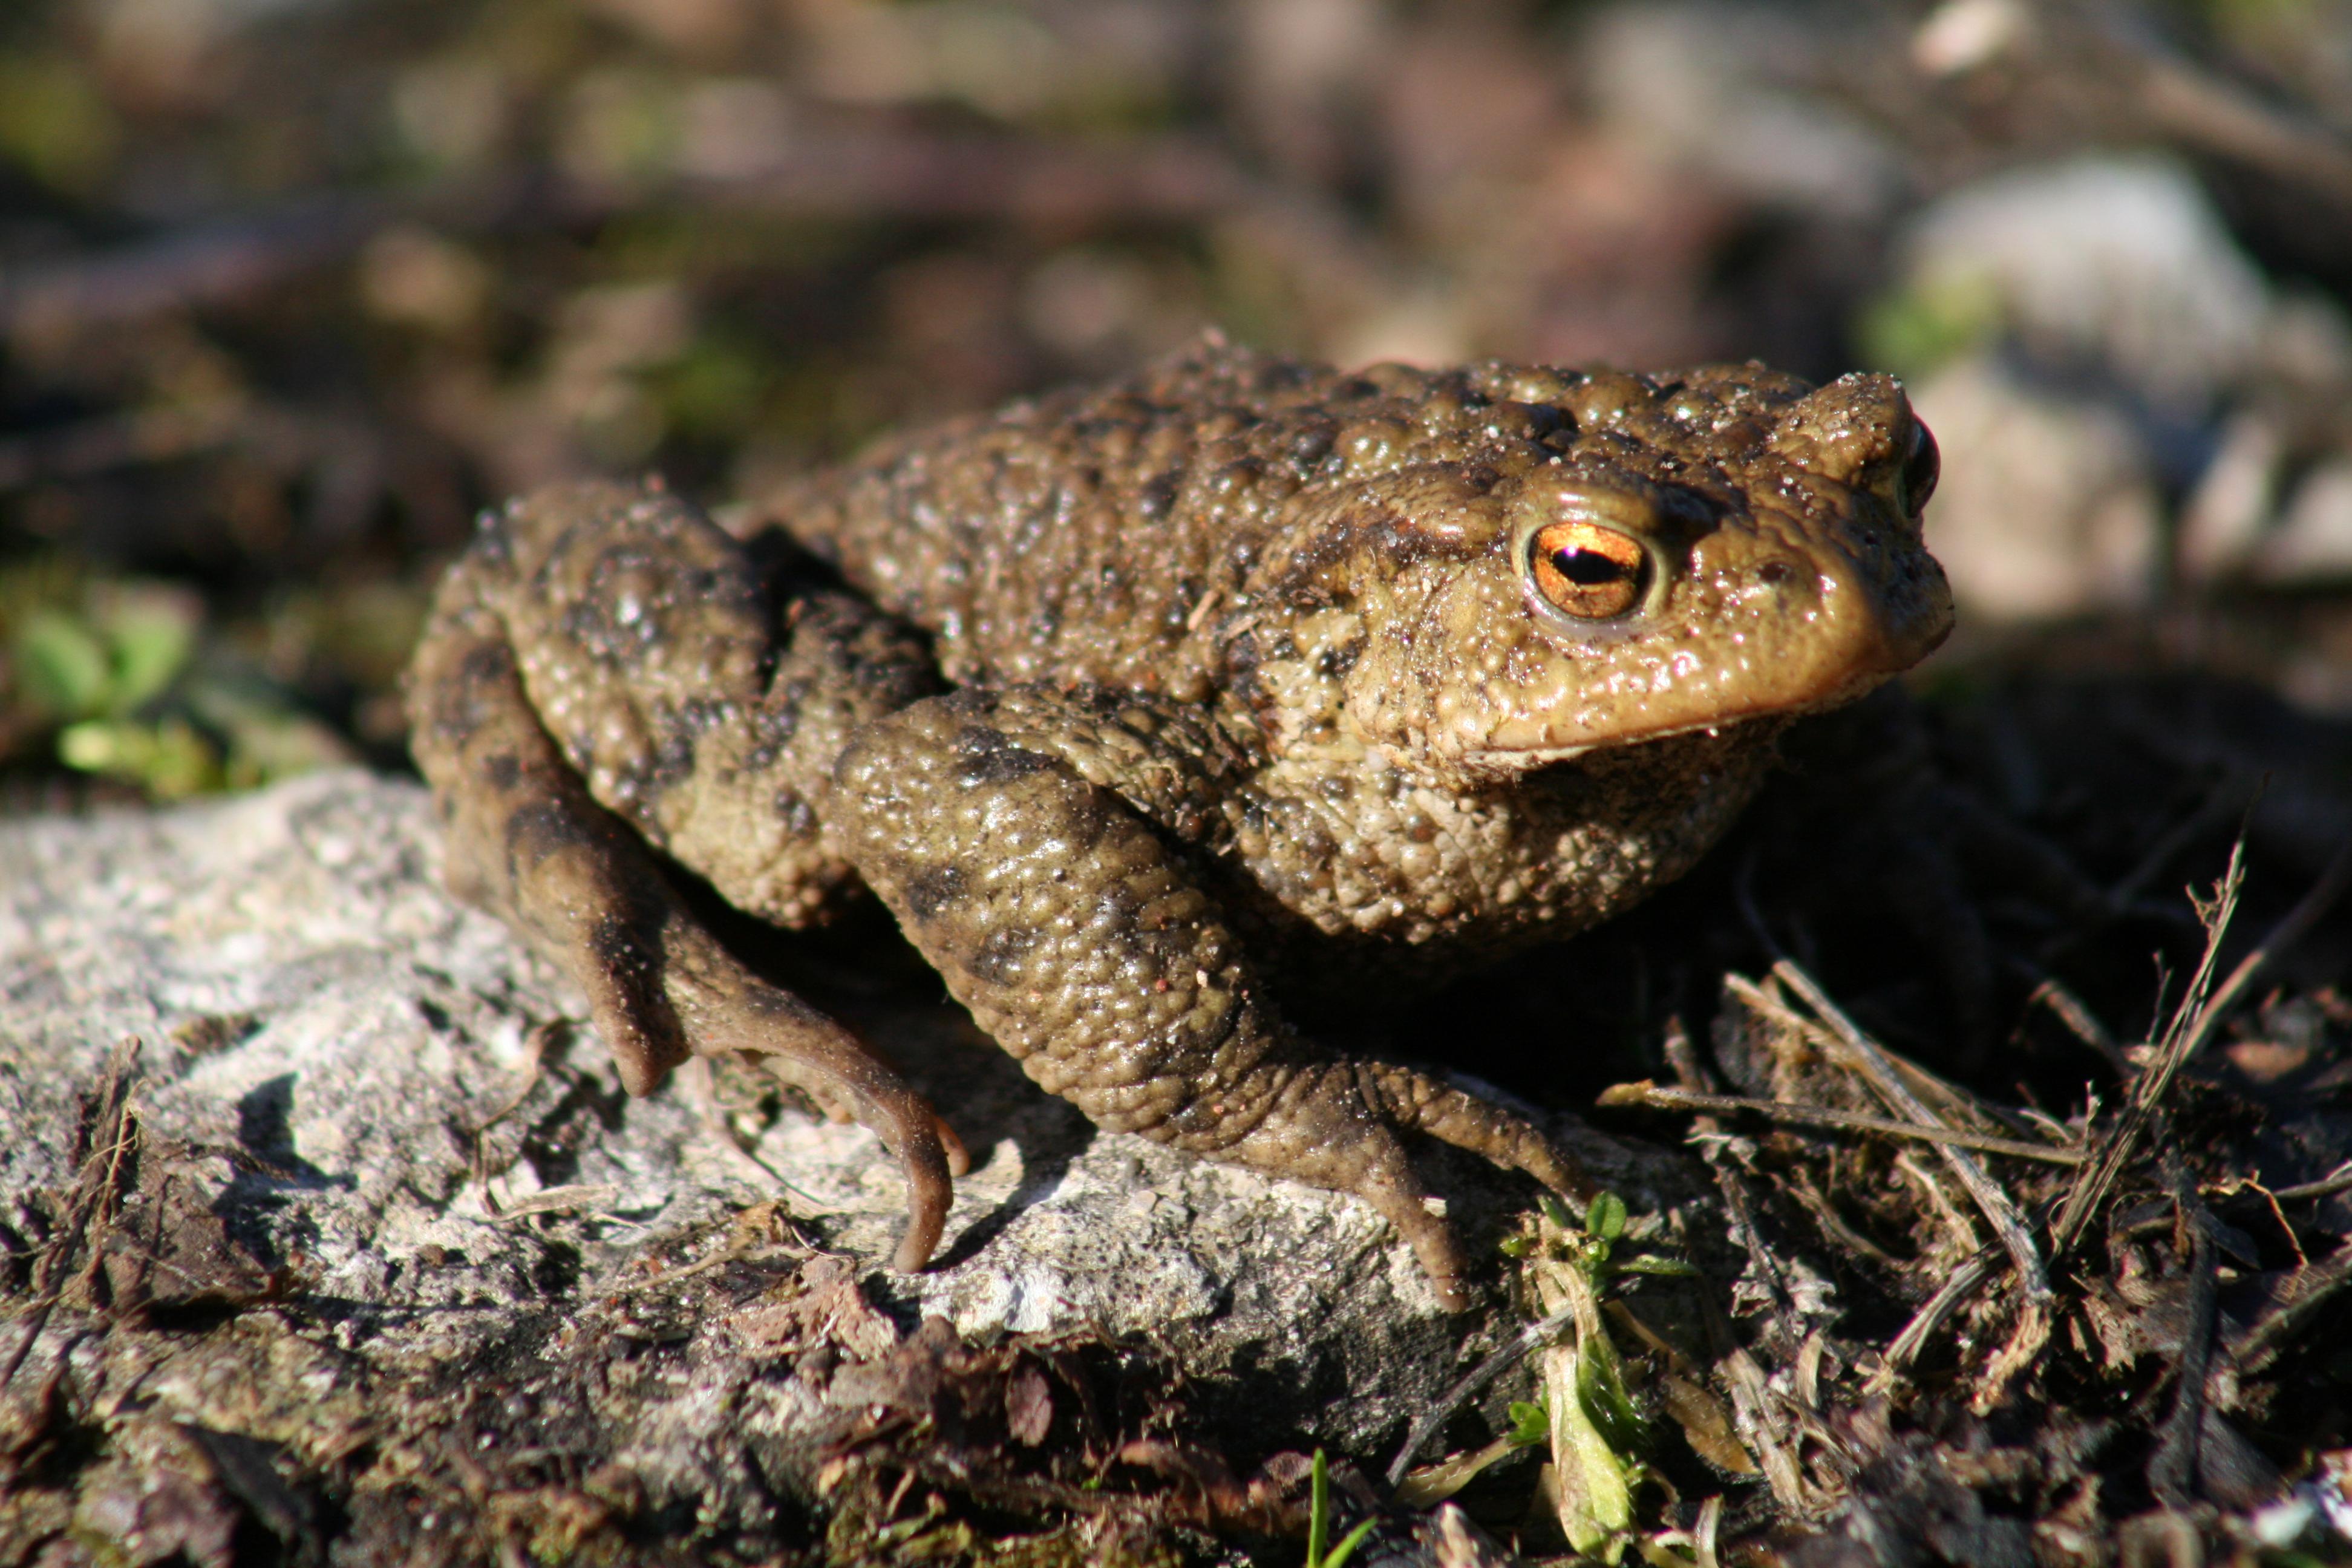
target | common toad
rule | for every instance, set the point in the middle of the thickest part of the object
(1138, 704)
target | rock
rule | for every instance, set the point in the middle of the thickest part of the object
(2313, 541)
(1722, 90)
(329, 1241)
(2048, 505)
(2117, 262)
(2101, 340)
(2230, 528)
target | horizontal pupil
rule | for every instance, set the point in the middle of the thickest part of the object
(1587, 568)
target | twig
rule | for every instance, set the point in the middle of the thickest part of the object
(1950, 1097)
(112, 1133)
(206, 263)
(117, 440)
(2232, 795)
(734, 1251)
(2195, 1022)
(2220, 116)
(2336, 1181)
(1990, 1196)
(1816, 1203)
(1713, 1142)
(1956, 1220)
(1649, 1094)
(857, 170)
(868, 171)
(1529, 1338)
(556, 1200)
(1753, 1411)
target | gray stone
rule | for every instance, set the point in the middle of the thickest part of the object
(327, 1042)
(2121, 261)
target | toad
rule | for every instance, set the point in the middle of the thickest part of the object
(1144, 706)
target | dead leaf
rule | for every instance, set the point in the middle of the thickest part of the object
(1028, 1406)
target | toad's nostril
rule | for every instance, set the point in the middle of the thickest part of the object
(1776, 572)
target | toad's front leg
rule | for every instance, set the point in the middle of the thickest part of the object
(632, 627)
(1018, 836)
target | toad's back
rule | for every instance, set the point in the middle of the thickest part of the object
(1113, 536)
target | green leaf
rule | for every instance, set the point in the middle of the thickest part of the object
(1347, 1547)
(1665, 1267)
(1595, 1490)
(64, 666)
(153, 634)
(96, 745)
(1318, 1510)
(169, 761)
(1601, 1385)
(1605, 1217)
(1530, 1425)
(1553, 1210)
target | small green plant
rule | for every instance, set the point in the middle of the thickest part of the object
(1319, 1522)
(110, 672)
(1594, 1429)
(1599, 1436)
(94, 670)
(1925, 324)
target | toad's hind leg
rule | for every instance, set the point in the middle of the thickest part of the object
(525, 839)
(1043, 886)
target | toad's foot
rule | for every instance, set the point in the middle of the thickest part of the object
(1333, 1123)
(525, 841)
(1043, 884)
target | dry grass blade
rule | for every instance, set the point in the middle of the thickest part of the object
(2032, 1330)
(2069, 1009)
(2305, 1292)
(1879, 1072)
(1770, 1426)
(1904, 1348)
(1647, 1093)
(2191, 1023)
(2290, 930)
(1947, 1100)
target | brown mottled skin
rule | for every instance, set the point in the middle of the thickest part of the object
(1143, 702)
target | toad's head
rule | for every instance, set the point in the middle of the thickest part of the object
(1690, 552)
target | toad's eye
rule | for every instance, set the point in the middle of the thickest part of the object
(1920, 467)
(1584, 570)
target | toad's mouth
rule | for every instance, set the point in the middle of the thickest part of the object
(1688, 753)
(1854, 635)
(1749, 720)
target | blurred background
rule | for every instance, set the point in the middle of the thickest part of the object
(289, 289)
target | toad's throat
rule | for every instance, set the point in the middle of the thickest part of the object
(1533, 749)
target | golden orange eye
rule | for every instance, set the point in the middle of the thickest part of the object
(1584, 570)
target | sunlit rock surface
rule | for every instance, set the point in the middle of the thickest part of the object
(334, 1041)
